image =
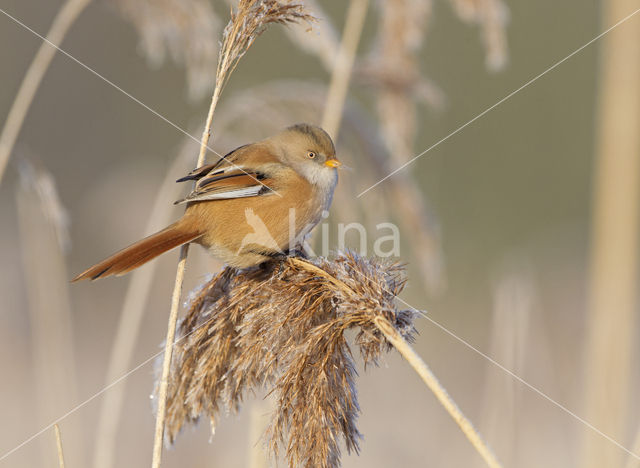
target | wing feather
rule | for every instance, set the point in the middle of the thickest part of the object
(244, 172)
(225, 163)
(232, 185)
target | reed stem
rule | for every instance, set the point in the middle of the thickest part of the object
(130, 320)
(56, 429)
(421, 368)
(168, 353)
(175, 298)
(343, 65)
(428, 377)
(611, 325)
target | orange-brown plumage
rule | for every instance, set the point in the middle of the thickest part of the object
(249, 206)
(141, 252)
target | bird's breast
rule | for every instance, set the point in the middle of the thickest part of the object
(246, 231)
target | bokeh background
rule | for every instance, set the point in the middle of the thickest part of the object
(502, 224)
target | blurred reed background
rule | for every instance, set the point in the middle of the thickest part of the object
(520, 230)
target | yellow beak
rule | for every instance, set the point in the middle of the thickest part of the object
(332, 163)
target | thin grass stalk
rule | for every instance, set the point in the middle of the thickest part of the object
(65, 17)
(343, 66)
(56, 430)
(206, 133)
(421, 368)
(175, 300)
(438, 390)
(613, 279)
(177, 292)
(168, 352)
(239, 35)
(130, 320)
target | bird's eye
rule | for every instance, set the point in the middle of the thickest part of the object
(311, 155)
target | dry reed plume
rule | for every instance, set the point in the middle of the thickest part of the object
(247, 22)
(282, 327)
(492, 16)
(393, 70)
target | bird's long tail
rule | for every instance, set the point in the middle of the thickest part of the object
(140, 253)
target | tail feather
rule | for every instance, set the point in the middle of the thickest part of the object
(139, 253)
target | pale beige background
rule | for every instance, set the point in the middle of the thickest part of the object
(512, 193)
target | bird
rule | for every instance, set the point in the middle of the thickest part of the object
(256, 203)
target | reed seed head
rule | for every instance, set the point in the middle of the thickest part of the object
(248, 21)
(281, 327)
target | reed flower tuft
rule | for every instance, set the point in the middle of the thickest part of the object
(281, 327)
(248, 21)
(492, 16)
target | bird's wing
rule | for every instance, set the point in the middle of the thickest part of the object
(225, 162)
(238, 175)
